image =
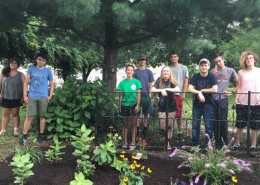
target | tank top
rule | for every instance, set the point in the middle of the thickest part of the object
(12, 87)
(250, 81)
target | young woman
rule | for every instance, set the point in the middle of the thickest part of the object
(166, 85)
(11, 84)
(129, 102)
(248, 80)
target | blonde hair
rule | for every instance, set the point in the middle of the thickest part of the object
(244, 56)
(171, 78)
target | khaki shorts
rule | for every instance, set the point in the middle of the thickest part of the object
(37, 103)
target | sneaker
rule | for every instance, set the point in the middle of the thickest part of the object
(40, 138)
(236, 147)
(124, 145)
(132, 146)
(169, 146)
(253, 151)
(22, 139)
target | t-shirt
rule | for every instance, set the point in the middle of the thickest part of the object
(39, 82)
(199, 83)
(12, 87)
(223, 77)
(250, 81)
(180, 73)
(145, 77)
(163, 99)
(129, 89)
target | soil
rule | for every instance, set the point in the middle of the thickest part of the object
(62, 172)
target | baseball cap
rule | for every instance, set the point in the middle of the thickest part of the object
(204, 60)
(142, 57)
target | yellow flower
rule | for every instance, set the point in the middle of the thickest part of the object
(135, 162)
(149, 170)
(124, 184)
(143, 167)
(118, 161)
(137, 165)
(234, 179)
(123, 152)
(122, 156)
(133, 157)
(132, 167)
(125, 159)
(125, 179)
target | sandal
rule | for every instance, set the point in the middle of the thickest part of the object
(2, 132)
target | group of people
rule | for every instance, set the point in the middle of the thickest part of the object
(210, 98)
(15, 92)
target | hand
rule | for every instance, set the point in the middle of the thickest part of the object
(26, 100)
(215, 70)
(201, 97)
(164, 93)
(136, 108)
(49, 98)
(226, 93)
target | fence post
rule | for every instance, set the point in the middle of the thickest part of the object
(96, 120)
(248, 124)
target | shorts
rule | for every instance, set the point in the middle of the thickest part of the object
(162, 104)
(6, 103)
(128, 110)
(242, 115)
(179, 105)
(146, 104)
(34, 103)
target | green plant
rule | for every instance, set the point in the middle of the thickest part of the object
(104, 153)
(215, 167)
(86, 167)
(54, 153)
(131, 173)
(36, 154)
(113, 136)
(22, 168)
(80, 180)
(141, 150)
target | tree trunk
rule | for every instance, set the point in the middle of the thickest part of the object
(110, 66)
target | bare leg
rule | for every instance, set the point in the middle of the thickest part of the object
(125, 129)
(254, 137)
(42, 124)
(16, 120)
(133, 125)
(27, 123)
(5, 119)
(239, 135)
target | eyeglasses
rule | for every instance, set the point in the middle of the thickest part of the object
(248, 58)
(218, 61)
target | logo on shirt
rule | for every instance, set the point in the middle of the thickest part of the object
(133, 87)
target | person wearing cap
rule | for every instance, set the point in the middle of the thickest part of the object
(145, 76)
(220, 100)
(202, 85)
(181, 73)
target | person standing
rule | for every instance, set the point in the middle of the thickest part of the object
(129, 103)
(145, 76)
(166, 85)
(181, 74)
(202, 85)
(11, 84)
(248, 80)
(220, 100)
(37, 77)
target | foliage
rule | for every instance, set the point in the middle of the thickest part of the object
(85, 167)
(141, 150)
(215, 167)
(104, 153)
(35, 153)
(80, 180)
(74, 105)
(113, 136)
(22, 168)
(54, 153)
(131, 172)
(176, 182)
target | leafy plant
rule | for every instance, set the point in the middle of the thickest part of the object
(215, 167)
(113, 136)
(141, 150)
(36, 154)
(131, 173)
(54, 153)
(22, 168)
(80, 180)
(104, 153)
(86, 167)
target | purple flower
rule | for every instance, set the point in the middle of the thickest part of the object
(190, 158)
(197, 179)
(222, 165)
(227, 151)
(207, 165)
(236, 163)
(174, 152)
(180, 166)
(177, 180)
(183, 183)
(232, 171)
(206, 135)
(191, 183)
(210, 148)
(183, 147)
(205, 182)
(232, 139)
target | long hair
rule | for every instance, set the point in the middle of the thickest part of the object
(171, 78)
(6, 70)
(244, 56)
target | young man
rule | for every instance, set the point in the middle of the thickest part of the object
(220, 104)
(202, 85)
(248, 80)
(37, 98)
(181, 73)
(145, 76)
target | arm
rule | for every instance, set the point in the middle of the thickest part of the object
(25, 88)
(150, 89)
(192, 89)
(51, 90)
(120, 101)
(1, 79)
(213, 89)
(184, 88)
(138, 100)
(238, 87)
(23, 80)
(175, 89)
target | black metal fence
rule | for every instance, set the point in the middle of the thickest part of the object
(108, 119)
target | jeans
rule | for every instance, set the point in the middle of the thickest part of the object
(206, 112)
(220, 125)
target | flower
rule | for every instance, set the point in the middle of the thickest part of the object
(207, 165)
(234, 179)
(197, 179)
(143, 167)
(149, 170)
(205, 182)
(231, 171)
(132, 166)
(125, 179)
(180, 166)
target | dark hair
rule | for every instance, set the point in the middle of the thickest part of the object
(216, 55)
(129, 66)
(42, 55)
(6, 70)
(174, 53)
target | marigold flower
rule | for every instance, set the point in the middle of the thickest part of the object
(234, 179)
(132, 166)
(143, 167)
(133, 157)
(137, 165)
(135, 162)
(123, 152)
(122, 156)
(149, 170)
(124, 184)
(125, 179)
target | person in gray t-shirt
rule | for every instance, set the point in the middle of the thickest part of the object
(220, 104)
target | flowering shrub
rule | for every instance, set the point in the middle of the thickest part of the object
(141, 150)
(131, 172)
(113, 136)
(176, 182)
(214, 167)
